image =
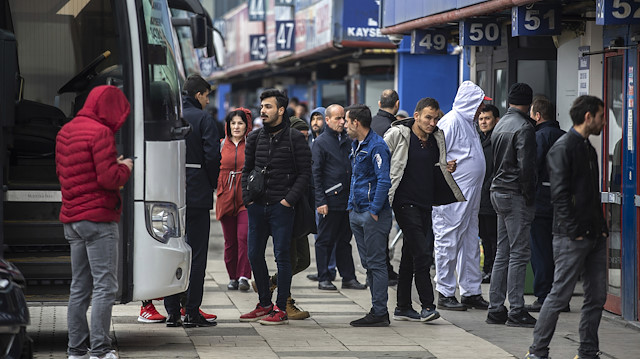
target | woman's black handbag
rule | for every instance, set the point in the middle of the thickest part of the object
(304, 220)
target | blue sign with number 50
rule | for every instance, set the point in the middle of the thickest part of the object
(612, 12)
(535, 20)
(479, 33)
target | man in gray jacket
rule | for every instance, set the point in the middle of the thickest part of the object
(420, 177)
(512, 194)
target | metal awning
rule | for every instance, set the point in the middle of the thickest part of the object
(480, 9)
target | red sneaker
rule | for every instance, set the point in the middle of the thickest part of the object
(149, 314)
(276, 317)
(256, 314)
(209, 317)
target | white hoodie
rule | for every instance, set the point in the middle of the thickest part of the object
(462, 139)
(455, 226)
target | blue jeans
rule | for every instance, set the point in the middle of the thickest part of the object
(275, 220)
(573, 258)
(513, 252)
(94, 261)
(371, 238)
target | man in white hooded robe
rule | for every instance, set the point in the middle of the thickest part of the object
(455, 226)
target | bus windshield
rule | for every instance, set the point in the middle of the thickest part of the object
(162, 76)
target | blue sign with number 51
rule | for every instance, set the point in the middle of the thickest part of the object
(535, 20)
(614, 12)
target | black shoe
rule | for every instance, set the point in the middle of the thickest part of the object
(475, 301)
(497, 317)
(486, 277)
(533, 307)
(392, 282)
(371, 320)
(191, 321)
(313, 277)
(174, 320)
(353, 284)
(243, 285)
(450, 303)
(326, 285)
(521, 319)
(406, 314)
(233, 285)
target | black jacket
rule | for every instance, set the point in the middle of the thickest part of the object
(332, 169)
(203, 151)
(485, 199)
(514, 155)
(575, 188)
(547, 133)
(281, 179)
(381, 122)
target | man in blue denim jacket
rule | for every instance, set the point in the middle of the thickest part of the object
(369, 210)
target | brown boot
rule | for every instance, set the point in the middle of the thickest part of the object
(273, 284)
(294, 313)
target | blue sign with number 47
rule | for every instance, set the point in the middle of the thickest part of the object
(535, 20)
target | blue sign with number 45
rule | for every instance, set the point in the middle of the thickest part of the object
(535, 20)
(612, 12)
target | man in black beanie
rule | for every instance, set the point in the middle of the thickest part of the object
(512, 194)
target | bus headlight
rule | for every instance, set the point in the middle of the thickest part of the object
(162, 220)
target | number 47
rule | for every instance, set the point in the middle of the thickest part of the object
(284, 35)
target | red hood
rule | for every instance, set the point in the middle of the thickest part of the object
(107, 105)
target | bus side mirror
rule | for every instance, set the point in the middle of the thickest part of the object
(199, 32)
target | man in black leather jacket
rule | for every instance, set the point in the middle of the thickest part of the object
(579, 230)
(512, 194)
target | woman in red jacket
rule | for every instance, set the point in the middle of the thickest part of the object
(229, 208)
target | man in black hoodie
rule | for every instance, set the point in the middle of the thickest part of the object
(203, 166)
(284, 158)
(547, 133)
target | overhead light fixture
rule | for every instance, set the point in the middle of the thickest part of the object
(73, 7)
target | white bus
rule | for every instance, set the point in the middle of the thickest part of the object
(52, 53)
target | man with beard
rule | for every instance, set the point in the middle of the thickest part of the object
(579, 230)
(282, 157)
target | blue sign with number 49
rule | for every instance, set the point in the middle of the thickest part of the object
(535, 20)
(428, 42)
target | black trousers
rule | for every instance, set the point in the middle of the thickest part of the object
(334, 230)
(488, 228)
(417, 255)
(542, 256)
(197, 227)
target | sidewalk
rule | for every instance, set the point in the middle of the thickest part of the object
(327, 333)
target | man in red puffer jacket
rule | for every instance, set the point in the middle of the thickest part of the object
(91, 174)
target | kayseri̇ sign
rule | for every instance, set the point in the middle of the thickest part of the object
(359, 22)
